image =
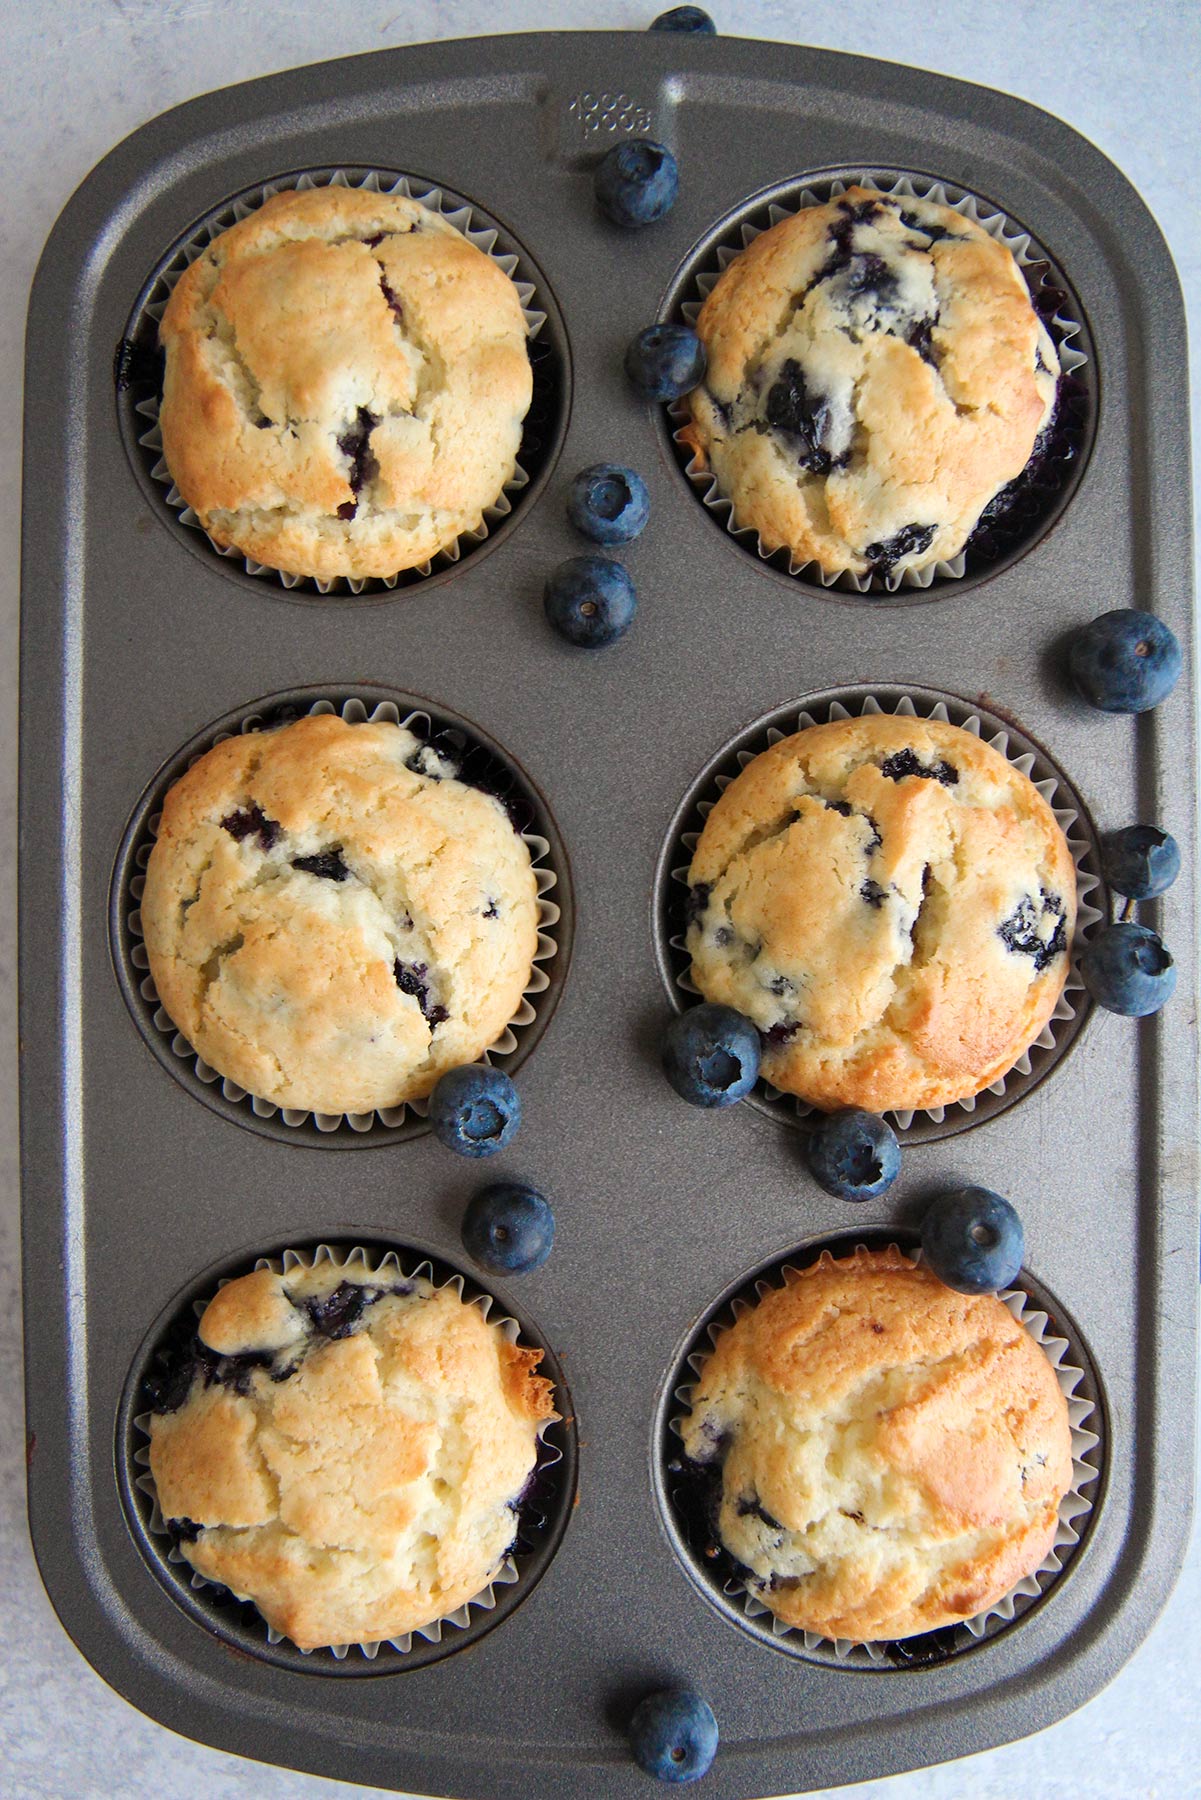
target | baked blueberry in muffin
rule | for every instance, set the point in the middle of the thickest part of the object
(346, 380)
(888, 1456)
(877, 373)
(347, 1450)
(333, 918)
(892, 903)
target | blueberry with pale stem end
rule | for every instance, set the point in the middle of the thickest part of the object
(673, 1735)
(590, 601)
(973, 1240)
(508, 1228)
(1125, 661)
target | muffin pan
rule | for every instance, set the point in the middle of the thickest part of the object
(137, 637)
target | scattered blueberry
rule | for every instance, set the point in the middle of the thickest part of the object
(685, 18)
(1141, 861)
(854, 1155)
(973, 1240)
(637, 183)
(1125, 661)
(608, 504)
(673, 1735)
(1127, 970)
(508, 1228)
(711, 1055)
(474, 1110)
(665, 361)
(590, 600)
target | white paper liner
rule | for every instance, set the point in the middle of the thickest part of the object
(354, 711)
(457, 213)
(1063, 327)
(548, 1454)
(976, 721)
(1073, 1508)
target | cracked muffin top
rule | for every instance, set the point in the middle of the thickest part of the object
(346, 379)
(332, 918)
(892, 1454)
(877, 374)
(892, 903)
(347, 1449)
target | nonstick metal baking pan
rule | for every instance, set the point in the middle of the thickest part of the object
(142, 1184)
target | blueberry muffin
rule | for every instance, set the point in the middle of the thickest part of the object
(892, 903)
(332, 918)
(877, 374)
(892, 1455)
(347, 1450)
(346, 379)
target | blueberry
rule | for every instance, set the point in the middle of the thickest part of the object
(1127, 970)
(608, 504)
(854, 1155)
(1141, 861)
(590, 601)
(673, 1735)
(1124, 661)
(508, 1228)
(685, 18)
(665, 361)
(474, 1110)
(711, 1055)
(973, 1240)
(637, 183)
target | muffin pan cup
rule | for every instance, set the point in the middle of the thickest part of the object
(139, 361)
(1032, 510)
(171, 1046)
(538, 1524)
(1071, 1008)
(738, 1598)
(135, 638)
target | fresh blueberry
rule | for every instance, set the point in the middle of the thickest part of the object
(1127, 970)
(637, 183)
(590, 600)
(474, 1110)
(854, 1155)
(1125, 661)
(1140, 861)
(973, 1240)
(711, 1055)
(665, 361)
(608, 504)
(673, 1735)
(508, 1228)
(685, 18)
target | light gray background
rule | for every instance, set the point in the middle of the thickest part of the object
(81, 74)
